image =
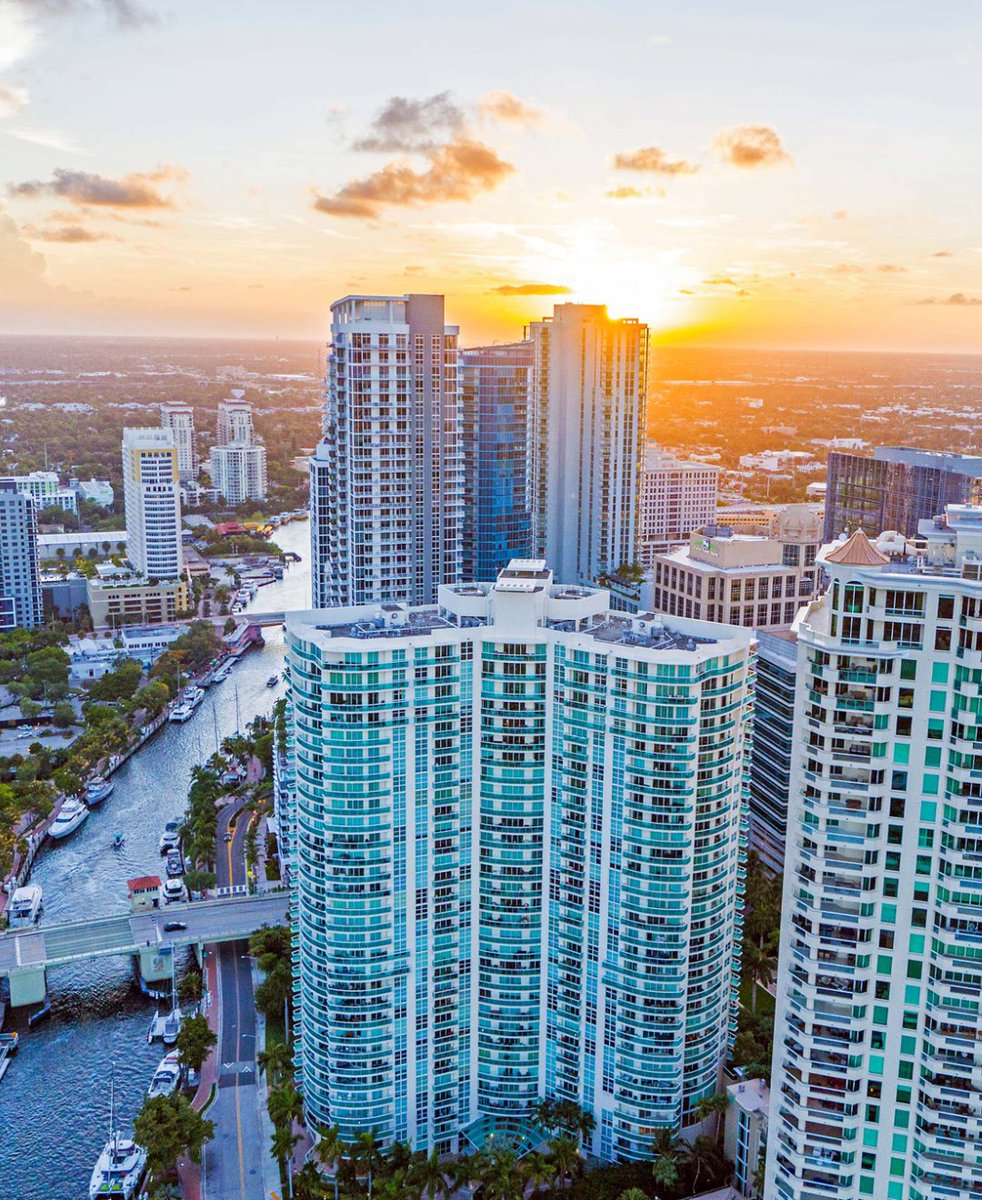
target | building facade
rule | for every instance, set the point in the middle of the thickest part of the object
(151, 492)
(495, 386)
(741, 579)
(386, 481)
(589, 383)
(676, 498)
(234, 423)
(519, 833)
(895, 489)
(238, 472)
(877, 1058)
(20, 575)
(45, 490)
(770, 759)
(745, 1138)
(117, 600)
(179, 419)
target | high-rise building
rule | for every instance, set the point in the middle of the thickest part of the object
(770, 758)
(45, 490)
(677, 497)
(588, 425)
(519, 828)
(20, 576)
(741, 579)
(895, 489)
(386, 481)
(179, 418)
(235, 423)
(497, 524)
(877, 1060)
(238, 472)
(151, 494)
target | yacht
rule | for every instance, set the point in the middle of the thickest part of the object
(180, 712)
(25, 906)
(174, 891)
(165, 1027)
(166, 1077)
(224, 670)
(98, 789)
(170, 839)
(73, 813)
(121, 1164)
(175, 864)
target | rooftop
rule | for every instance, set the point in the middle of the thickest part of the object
(857, 551)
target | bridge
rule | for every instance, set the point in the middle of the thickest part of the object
(261, 618)
(26, 954)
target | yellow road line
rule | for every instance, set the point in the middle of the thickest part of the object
(238, 1106)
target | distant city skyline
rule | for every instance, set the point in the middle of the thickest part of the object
(770, 177)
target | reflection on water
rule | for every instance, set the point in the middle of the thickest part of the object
(54, 1099)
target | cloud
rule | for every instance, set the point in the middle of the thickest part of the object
(83, 188)
(459, 170)
(413, 125)
(890, 269)
(751, 146)
(532, 289)
(654, 159)
(126, 14)
(955, 300)
(414, 269)
(720, 281)
(12, 100)
(847, 269)
(67, 234)
(633, 193)
(506, 106)
(941, 254)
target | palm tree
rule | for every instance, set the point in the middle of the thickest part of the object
(540, 1171)
(429, 1176)
(664, 1172)
(713, 1106)
(703, 1156)
(565, 1154)
(368, 1155)
(277, 1061)
(283, 1141)
(285, 1105)
(330, 1150)
(499, 1175)
(633, 1194)
(759, 965)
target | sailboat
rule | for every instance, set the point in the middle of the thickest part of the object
(122, 1162)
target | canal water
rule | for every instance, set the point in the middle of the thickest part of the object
(54, 1099)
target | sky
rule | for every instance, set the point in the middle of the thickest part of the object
(759, 174)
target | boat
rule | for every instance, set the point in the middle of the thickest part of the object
(193, 697)
(224, 670)
(180, 712)
(119, 840)
(173, 891)
(170, 839)
(166, 1026)
(73, 813)
(272, 681)
(120, 1167)
(98, 789)
(167, 1076)
(25, 906)
(8, 1048)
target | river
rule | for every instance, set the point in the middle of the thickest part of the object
(54, 1099)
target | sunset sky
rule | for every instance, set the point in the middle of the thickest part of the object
(780, 174)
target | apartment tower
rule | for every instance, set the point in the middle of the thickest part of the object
(20, 575)
(518, 827)
(152, 496)
(386, 480)
(877, 1071)
(179, 418)
(588, 427)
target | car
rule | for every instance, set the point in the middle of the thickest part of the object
(175, 926)
(228, 835)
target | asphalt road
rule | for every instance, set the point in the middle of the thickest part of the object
(230, 856)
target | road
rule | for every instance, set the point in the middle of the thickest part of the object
(230, 865)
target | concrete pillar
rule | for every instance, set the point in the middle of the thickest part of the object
(28, 985)
(154, 965)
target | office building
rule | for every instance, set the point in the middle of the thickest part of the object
(238, 472)
(45, 490)
(235, 423)
(877, 1058)
(588, 423)
(179, 419)
(741, 579)
(121, 599)
(520, 828)
(745, 1136)
(770, 758)
(895, 489)
(676, 497)
(386, 480)
(20, 575)
(497, 522)
(151, 493)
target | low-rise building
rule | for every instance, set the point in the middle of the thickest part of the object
(745, 1138)
(116, 600)
(144, 892)
(100, 544)
(740, 579)
(44, 489)
(64, 595)
(96, 491)
(96, 655)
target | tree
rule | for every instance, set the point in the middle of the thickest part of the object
(331, 1149)
(704, 1158)
(195, 1041)
(30, 710)
(229, 626)
(198, 881)
(713, 1106)
(168, 1127)
(634, 1193)
(540, 1171)
(63, 714)
(564, 1151)
(429, 1176)
(120, 683)
(284, 1104)
(367, 1155)
(759, 965)
(277, 1061)
(282, 1143)
(190, 987)
(664, 1172)
(153, 697)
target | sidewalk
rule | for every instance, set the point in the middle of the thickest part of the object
(188, 1172)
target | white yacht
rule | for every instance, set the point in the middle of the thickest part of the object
(25, 906)
(121, 1164)
(167, 1076)
(173, 891)
(224, 670)
(170, 839)
(73, 813)
(97, 790)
